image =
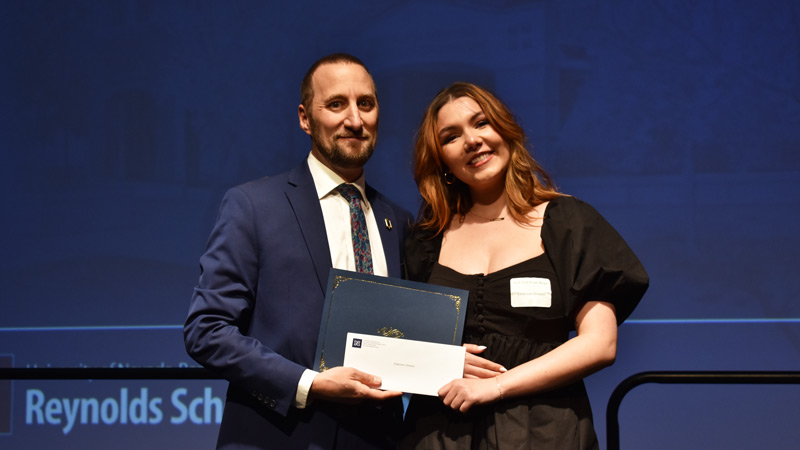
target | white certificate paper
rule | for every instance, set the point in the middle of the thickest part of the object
(403, 364)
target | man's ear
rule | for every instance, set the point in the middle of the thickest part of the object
(303, 118)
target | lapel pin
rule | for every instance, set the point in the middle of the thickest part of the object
(388, 223)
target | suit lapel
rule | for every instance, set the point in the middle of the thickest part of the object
(384, 214)
(302, 196)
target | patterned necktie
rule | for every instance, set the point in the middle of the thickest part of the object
(358, 228)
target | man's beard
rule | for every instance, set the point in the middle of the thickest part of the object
(336, 155)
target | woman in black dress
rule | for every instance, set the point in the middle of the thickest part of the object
(538, 264)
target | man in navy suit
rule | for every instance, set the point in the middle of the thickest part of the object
(255, 313)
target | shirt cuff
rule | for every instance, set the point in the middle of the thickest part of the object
(303, 387)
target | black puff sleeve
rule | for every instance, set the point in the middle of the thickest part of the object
(421, 252)
(591, 259)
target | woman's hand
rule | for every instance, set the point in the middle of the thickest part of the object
(462, 394)
(478, 367)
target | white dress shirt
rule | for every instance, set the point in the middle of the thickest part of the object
(336, 214)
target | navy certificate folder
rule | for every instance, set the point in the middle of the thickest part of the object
(369, 304)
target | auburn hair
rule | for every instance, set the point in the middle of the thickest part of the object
(526, 184)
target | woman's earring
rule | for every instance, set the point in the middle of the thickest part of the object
(449, 178)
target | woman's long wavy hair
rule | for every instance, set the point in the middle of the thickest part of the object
(526, 186)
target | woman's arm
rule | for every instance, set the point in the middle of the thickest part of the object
(593, 348)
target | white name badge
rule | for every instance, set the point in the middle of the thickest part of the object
(531, 292)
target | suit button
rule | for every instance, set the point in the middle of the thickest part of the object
(272, 403)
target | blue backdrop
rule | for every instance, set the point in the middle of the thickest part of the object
(123, 123)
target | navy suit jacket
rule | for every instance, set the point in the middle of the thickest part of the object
(255, 314)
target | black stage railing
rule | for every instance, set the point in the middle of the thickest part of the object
(612, 410)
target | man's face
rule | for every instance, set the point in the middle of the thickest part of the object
(342, 118)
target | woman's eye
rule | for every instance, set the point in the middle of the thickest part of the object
(481, 123)
(449, 139)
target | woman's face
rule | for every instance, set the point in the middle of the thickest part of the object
(472, 150)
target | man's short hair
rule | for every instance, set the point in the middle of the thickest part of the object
(307, 92)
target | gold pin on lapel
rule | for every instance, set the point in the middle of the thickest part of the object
(388, 223)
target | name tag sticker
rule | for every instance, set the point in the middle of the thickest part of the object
(531, 292)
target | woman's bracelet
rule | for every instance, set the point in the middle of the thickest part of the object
(499, 389)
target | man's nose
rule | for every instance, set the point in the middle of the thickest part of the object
(353, 119)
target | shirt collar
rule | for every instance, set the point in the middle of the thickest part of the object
(326, 180)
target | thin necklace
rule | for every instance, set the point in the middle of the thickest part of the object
(496, 219)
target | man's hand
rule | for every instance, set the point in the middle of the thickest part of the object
(478, 367)
(347, 385)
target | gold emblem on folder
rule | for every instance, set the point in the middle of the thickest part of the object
(390, 332)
